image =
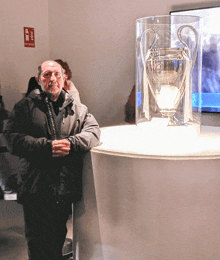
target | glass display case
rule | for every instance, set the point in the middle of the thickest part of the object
(168, 69)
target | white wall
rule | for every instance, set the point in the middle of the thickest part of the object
(19, 63)
(96, 38)
(100, 48)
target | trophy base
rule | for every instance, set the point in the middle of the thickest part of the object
(173, 121)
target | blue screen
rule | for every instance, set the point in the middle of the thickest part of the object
(209, 99)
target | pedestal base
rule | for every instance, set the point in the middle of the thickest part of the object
(151, 204)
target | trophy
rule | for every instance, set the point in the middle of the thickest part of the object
(167, 71)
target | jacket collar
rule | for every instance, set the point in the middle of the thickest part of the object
(39, 94)
(68, 98)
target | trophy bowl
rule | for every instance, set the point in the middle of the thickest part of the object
(166, 74)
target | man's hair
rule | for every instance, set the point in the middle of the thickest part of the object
(39, 70)
(65, 66)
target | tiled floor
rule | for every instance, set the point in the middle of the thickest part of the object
(12, 240)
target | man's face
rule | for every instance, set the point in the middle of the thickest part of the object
(51, 78)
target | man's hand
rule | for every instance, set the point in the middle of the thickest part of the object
(60, 148)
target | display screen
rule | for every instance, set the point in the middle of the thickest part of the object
(210, 37)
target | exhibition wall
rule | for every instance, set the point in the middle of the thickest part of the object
(96, 38)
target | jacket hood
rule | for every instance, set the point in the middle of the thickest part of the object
(39, 94)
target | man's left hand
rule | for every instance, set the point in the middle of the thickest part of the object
(60, 148)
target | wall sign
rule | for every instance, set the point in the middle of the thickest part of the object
(29, 39)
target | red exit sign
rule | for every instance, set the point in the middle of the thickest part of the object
(29, 38)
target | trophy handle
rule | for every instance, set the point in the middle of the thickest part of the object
(180, 38)
(139, 39)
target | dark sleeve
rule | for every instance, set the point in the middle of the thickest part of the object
(17, 132)
(88, 137)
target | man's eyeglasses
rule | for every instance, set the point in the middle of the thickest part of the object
(49, 74)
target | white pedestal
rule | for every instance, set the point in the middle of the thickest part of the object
(151, 193)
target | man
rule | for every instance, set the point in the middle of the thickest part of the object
(49, 131)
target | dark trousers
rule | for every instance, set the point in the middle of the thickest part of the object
(45, 228)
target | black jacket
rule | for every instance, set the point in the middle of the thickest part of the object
(29, 135)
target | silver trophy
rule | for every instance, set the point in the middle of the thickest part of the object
(167, 74)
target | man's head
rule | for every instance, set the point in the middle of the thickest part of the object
(50, 78)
